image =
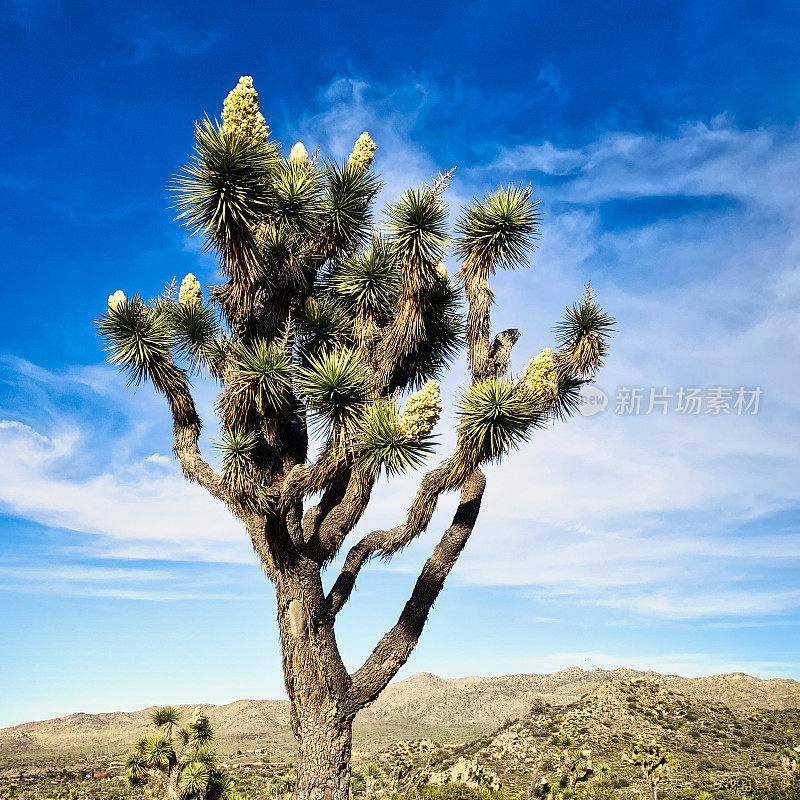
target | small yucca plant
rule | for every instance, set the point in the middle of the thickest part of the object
(187, 771)
(328, 334)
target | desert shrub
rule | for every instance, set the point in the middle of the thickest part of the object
(778, 790)
(454, 791)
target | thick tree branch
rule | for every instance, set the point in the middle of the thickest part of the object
(358, 555)
(187, 434)
(479, 300)
(447, 476)
(303, 479)
(396, 646)
(327, 524)
(500, 353)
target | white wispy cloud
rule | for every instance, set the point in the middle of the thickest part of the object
(128, 507)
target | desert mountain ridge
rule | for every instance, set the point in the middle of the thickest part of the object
(423, 699)
(710, 743)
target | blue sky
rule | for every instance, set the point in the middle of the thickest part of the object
(663, 142)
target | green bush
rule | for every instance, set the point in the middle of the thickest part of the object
(454, 791)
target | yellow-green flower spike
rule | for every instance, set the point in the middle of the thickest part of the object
(421, 412)
(241, 114)
(363, 152)
(539, 377)
(299, 155)
(190, 292)
(116, 300)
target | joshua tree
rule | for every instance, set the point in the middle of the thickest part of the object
(790, 761)
(367, 781)
(577, 764)
(653, 761)
(322, 325)
(191, 774)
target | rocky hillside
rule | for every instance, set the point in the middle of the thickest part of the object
(459, 701)
(711, 743)
(423, 700)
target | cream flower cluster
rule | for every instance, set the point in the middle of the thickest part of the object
(441, 271)
(116, 300)
(299, 154)
(190, 291)
(363, 152)
(241, 112)
(421, 412)
(539, 376)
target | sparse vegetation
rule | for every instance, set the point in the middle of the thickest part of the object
(521, 760)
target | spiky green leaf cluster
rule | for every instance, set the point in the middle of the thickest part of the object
(264, 373)
(369, 282)
(322, 325)
(383, 445)
(498, 231)
(195, 330)
(582, 336)
(200, 730)
(236, 448)
(157, 750)
(194, 778)
(494, 418)
(297, 193)
(417, 224)
(136, 770)
(215, 354)
(568, 394)
(166, 717)
(225, 191)
(443, 333)
(138, 339)
(335, 386)
(346, 206)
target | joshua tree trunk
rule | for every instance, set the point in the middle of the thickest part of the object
(324, 697)
(317, 684)
(323, 765)
(534, 782)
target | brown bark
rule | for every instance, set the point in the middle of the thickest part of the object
(316, 682)
(323, 763)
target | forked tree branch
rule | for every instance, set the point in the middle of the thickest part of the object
(357, 556)
(396, 646)
(447, 476)
(342, 518)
